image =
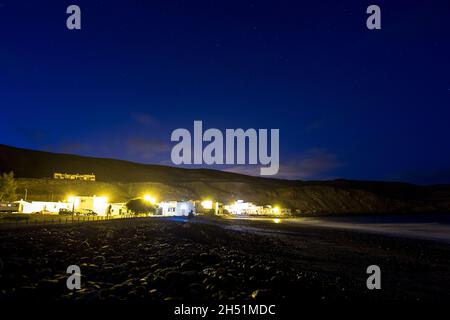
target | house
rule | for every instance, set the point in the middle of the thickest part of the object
(41, 207)
(9, 207)
(208, 207)
(118, 209)
(176, 208)
(81, 204)
(241, 207)
(69, 176)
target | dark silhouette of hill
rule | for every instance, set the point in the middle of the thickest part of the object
(123, 180)
(39, 164)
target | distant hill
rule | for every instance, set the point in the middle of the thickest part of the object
(39, 164)
(122, 180)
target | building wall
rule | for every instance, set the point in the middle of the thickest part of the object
(43, 206)
(97, 204)
(247, 208)
(117, 209)
(176, 208)
(78, 204)
(9, 207)
(207, 207)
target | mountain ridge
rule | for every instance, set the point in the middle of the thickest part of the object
(124, 179)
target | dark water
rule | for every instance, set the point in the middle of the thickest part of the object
(417, 226)
(392, 219)
(434, 227)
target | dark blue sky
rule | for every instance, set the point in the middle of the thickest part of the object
(349, 102)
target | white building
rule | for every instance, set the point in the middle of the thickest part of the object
(209, 206)
(176, 208)
(241, 207)
(78, 204)
(42, 206)
(82, 204)
(118, 209)
(9, 207)
(69, 176)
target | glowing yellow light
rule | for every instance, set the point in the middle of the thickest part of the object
(102, 199)
(71, 199)
(207, 204)
(276, 210)
(276, 220)
(150, 199)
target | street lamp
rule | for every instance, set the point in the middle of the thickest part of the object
(150, 199)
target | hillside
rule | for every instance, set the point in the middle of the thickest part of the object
(38, 164)
(122, 180)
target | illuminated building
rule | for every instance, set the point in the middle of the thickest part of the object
(241, 207)
(118, 209)
(81, 204)
(42, 207)
(207, 204)
(176, 208)
(69, 176)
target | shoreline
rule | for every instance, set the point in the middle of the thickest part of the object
(177, 258)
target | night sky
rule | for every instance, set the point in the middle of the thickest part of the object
(349, 102)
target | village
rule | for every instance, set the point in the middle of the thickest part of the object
(147, 204)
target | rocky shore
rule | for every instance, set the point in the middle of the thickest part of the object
(160, 260)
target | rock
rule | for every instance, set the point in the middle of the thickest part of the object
(211, 287)
(85, 259)
(173, 276)
(159, 282)
(190, 275)
(262, 294)
(208, 258)
(225, 281)
(88, 268)
(123, 288)
(51, 286)
(196, 291)
(85, 245)
(99, 260)
(189, 265)
(173, 299)
(276, 280)
(46, 272)
(92, 296)
(93, 285)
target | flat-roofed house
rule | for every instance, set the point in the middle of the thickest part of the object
(176, 208)
(42, 206)
(9, 207)
(83, 204)
(118, 209)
